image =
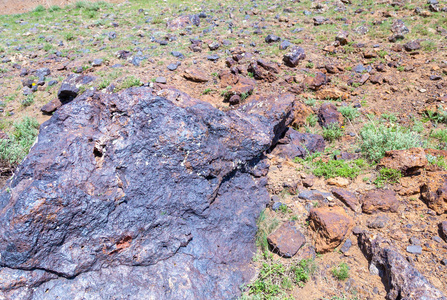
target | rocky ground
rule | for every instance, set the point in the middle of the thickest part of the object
(365, 77)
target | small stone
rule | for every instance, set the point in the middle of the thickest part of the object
(51, 106)
(383, 200)
(161, 80)
(97, 62)
(173, 66)
(214, 46)
(284, 45)
(177, 54)
(293, 57)
(437, 239)
(346, 246)
(415, 241)
(338, 181)
(271, 38)
(444, 261)
(286, 240)
(378, 222)
(276, 205)
(414, 249)
(213, 57)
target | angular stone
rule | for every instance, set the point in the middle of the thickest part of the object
(328, 115)
(409, 162)
(380, 200)
(348, 198)
(342, 37)
(412, 46)
(398, 27)
(313, 195)
(316, 82)
(302, 111)
(195, 75)
(377, 222)
(132, 190)
(434, 191)
(293, 57)
(330, 226)
(71, 86)
(297, 144)
(414, 249)
(51, 106)
(338, 181)
(403, 281)
(271, 38)
(286, 240)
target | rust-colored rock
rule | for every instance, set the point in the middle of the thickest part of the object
(227, 78)
(434, 191)
(243, 88)
(409, 162)
(380, 200)
(348, 198)
(51, 106)
(286, 240)
(302, 111)
(338, 181)
(195, 75)
(330, 226)
(331, 94)
(315, 83)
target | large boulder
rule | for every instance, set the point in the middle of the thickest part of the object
(137, 196)
(401, 279)
(409, 162)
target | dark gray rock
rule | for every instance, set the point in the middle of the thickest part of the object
(71, 86)
(346, 246)
(443, 230)
(313, 195)
(213, 57)
(97, 62)
(214, 46)
(271, 38)
(297, 144)
(173, 66)
(136, 196)
(43, 72)
(277, 205)
(284, 45)
(412, 46)
(328, 115)
(177, 54)
(401, 279)
(161, 80)
(293, 57)
(378, 222)
(398, 27)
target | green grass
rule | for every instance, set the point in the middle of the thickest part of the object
(338, 168)
(341, 272)
(387, 176)
(332, 132)
(22, 137)
(266, 224)
(378, 138)
(128, 82)
(349, 112)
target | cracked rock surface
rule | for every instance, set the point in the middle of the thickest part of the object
(135, 195)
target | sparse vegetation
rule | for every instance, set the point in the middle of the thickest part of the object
(387, 176)
(332, 132)
(341, 272)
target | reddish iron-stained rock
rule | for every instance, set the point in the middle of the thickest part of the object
(286, 240)
(330, 226)
(315, 83)
(380, 200)
(302, 111)
(434, 191)
(227, 78)
(195, 75)
(243, 88)
(328, 114)
(409, 162)
(331, 94)
(51, 106)
(348, 198)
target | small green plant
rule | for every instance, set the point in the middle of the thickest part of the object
(377, 139)
(54, 8)
(311, 120)
(400, 68)
(341, 272)
(69, 36)
(387, 176)
(303, 270)
(103, 84)
(310, 65)
(207, 91)
(439, 161)
(28, 100)
(382, 53)
(429, 46)
(389, 117)
(310, 101)
(266, 225)
(332, 132)
(39, 8)
(24, 133)
(438, 116)
(284, 209)
(338, 168)
(129, 82)
(349, 112)
(250, 74)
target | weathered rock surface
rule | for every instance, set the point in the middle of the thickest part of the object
(293, 57)
(330, 226)
(297, 144)
(71, 86)
(348, 198)
(401, 279)
(195, 75)
(409, 161)
(443, 230)
(434, 191)
(380, 200)
(328, 115)
(138, 196)
(286, 240)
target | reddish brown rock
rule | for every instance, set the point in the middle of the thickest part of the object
(328, 114)
(227, 78)
(410, 185)
(195, 75)
(332, 94)
(286, 240)
(376, 79)
(302, 111)
(51, 106)
(380, 200)
(348, 198)
(434, 191)
(330, 226)
(409, 162)
(242, 88)
(315, 83)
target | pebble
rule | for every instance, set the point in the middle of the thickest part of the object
(173, 66)
(414, 249)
